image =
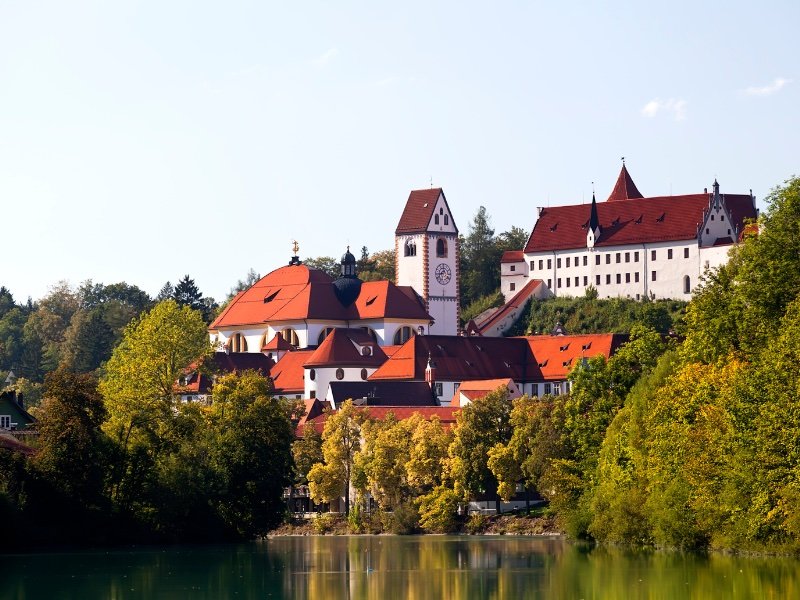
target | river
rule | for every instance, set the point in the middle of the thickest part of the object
(391, 567)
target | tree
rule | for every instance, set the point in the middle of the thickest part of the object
(73, 451)
(480, 269)
(479, 427)
(427, 458)
(341, 440)
(165, 293)
(306, 452)
(252, 453)
(381, 461)
(139, 384)
(326, 264)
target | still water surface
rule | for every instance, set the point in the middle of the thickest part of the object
(387, 567)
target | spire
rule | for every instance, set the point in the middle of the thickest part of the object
(594, 220)
(624, 189)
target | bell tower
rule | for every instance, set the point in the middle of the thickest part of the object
(427, 257)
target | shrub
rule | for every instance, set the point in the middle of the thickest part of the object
(477, 523)
(323, 523)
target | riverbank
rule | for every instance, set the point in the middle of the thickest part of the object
(476, 524)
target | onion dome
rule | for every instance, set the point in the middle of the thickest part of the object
(348, 285)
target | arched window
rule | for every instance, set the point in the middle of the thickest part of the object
(312, 374)
(290, 335)
(410, 248)
(323, 334)
(435, 219)
(441, 248)
(238, 343)
(371, 333)
(687, 285)
(402, 335)
(447, 219)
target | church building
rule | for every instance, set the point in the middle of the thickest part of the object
(629, 246)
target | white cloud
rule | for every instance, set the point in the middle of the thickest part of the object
(655, 106)
(325, 58)
(767, 90)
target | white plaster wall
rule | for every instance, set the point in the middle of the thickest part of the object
(411, 269)
(441, 209)
(519, 277)
(325, 375)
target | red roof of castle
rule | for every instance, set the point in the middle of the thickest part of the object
(339, 349)
(556, 355)
(278, 343)
(636, 221)
(512, 256)
(296, 292)
(446, 414)
(517, 301)
(624, 189)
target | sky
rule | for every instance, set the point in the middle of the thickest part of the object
(143, 141)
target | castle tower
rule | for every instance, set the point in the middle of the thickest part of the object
(426, 257)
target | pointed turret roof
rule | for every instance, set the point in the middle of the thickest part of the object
(594, 220)
(624, 189)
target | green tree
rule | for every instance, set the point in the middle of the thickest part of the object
(253, 452)
(243, 284)
(139, 386)
(480, 268)
(341, 441)
(327, 264)
(306, 452)
(427, 457)
(479, 427)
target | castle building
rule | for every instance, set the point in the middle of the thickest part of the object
(629, 246)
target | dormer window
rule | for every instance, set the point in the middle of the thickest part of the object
(271, 297)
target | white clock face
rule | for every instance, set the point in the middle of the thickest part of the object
(443, 274)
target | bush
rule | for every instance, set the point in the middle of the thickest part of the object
(477, 523)
(437, 510)
(403, 521)
(323, 523)
(355, 519)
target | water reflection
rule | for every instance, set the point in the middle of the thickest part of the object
(395, 567)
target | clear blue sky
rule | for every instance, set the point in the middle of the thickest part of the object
(140, 141)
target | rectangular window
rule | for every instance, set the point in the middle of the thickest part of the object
(5, 421)
(577, 281)
(618, 257)
(597, 279)
(558, 283)
(511, 286)
(556, 389)
(653, 276)
(627, 277)
(585, 280)
(541, 262)
(685, 253)
(619, 278)
(558, 263)
(535, 389)
(608, 259)
(550, 283)
(669, 254)
(635, 257)
(608, 279)
(585, 260)
(532, 265)
(597, 259)
(652, 255)
(636, 277)
(627, 257)
(568, 262)
(568, 281)
(722, 217)
(547, 389)
(549, 263)
(513, 267)
(439, 388)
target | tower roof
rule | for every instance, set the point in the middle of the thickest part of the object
(419, 209)
(624, 189)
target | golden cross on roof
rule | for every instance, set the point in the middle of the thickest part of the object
(295, 247)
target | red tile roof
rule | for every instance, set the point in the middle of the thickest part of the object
(519, 300)
(480, 388)
(287, 374)
(295, 293)
(418, 211)
(523, 359)
(556, 355)
(278, 343)
(512, 256)
(339, 350)
(637, 221)
(624, 189)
